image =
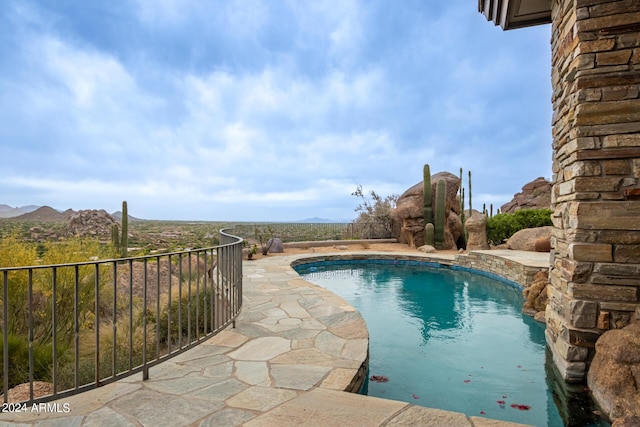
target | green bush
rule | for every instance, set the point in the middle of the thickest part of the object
(190, 306)
(502, 226)
(19, 360)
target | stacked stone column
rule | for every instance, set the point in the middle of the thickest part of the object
(595, 259)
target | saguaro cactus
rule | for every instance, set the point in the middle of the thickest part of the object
(470, 205)
(426, 181)
(462, 217)
(439, 214)
(115, 237)
(429, 234)
(124, 240)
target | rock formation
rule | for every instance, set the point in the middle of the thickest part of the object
(525, 240)
(90, 223)
(614, 374)
(40, 234)
(535, 295)
(409, 212)
(534, 195)
(476, 227)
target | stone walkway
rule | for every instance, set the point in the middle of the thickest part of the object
(295, 349)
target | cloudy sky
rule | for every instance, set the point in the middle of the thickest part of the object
(263, 110)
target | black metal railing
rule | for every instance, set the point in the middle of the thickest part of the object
(79, 326)
(303, 231)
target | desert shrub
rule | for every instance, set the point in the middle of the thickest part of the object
(19, 360)
(124, 335)
(502, 226)
(190, 306)
(14, 253)
(264, 235)
(376, 213)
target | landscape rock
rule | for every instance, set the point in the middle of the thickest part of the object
(21, 392)
(476, 227)
(409, 212)
(275, 245)
(525, 240)
(536, 294)
(427, 249)
(614, 374)
(535, 195)
(412, 231)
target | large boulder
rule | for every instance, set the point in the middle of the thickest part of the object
(614, 373)
(535, 195)
(409, 212)
(525, 240)
(476, 227)
(275, 245)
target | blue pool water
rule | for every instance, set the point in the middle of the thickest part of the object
(447, 339)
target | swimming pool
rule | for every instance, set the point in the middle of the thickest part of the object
(446, 339)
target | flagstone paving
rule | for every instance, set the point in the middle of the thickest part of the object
(294, 351)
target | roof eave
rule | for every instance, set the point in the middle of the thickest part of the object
(512, 14)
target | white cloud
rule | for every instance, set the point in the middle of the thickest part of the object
(273, 103)
(91, 78)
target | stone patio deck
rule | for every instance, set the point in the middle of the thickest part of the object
(295, 350)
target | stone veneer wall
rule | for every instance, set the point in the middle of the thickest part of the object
(500, 266)
(595, 265)
(511, 270)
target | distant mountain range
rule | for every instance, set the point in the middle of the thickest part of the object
(49, 214)
(316, 220)
(7, 211)
(35, 213)
(43, 214)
